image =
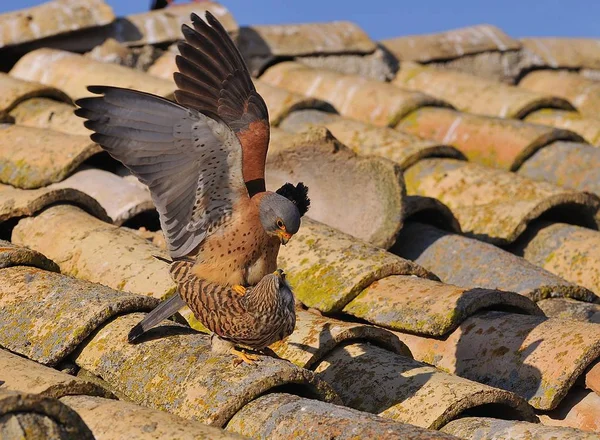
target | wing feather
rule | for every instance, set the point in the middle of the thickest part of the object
(191, 163)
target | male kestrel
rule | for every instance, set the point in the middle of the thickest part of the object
(203, 159)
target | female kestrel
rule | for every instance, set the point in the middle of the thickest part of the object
(203, 159)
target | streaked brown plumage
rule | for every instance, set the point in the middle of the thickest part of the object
(264, 314)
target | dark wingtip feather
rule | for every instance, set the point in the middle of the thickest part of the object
(98, 90)
(166, 260)
(297, 194)
(135, 333)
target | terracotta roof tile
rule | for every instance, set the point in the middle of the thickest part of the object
(13, 255)
(494, 429)
(359, 98)
(583, 93)
(72, 73)
(588, 128)
(25, 415)
(494, 205)
(16, 203)
(403, 148)
(52, 18)
(32, 157)
(568, 251)
(15, 91)
(497, 142)
(164, 25)
(481, 265)
(317, 159)
(566, 52)
(580, 410)
(566, 308)
(283, 416)
(473, 94)
(535, 357)
(403, 389)
(451, 44)
(49, 114)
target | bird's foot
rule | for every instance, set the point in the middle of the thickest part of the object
(239, 289)
(247, 358)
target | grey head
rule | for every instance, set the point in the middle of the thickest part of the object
(279, 216)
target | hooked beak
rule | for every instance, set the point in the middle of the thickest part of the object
(284, 237)
(280, 273)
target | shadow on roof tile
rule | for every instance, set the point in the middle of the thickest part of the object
(580, 409)
(494, 429)
(332, 172)
(72, 73)
(115, 418)
(588, 128)
(537, 358)
(496, 142)
(49, 114)
(366, 139)
(583, 93)
(96, 251)
(52, 18)
(16, 203)
(565, 52)
(494, 205)
(34, 157)
(473, 94)
(567, 308)
(430, 211)
(470, 263)
(15, 91)
(24, 415)
(569, 251)
(374, 380)
(283, 416)
(366, 100)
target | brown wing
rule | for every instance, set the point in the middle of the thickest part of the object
(213, 79)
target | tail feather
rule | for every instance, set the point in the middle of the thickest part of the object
(163, 311)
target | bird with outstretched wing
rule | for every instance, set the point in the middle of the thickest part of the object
(203, 159)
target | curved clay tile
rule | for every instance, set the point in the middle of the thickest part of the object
(588, 128)
(72, 73)
(164, 25)
(333, 172)
(375, 380)
(49, 114)
(25, 376)
(582, 92)
(580, 409)
(366, 139)
(15, 202)
(24, 415)
(565, 52)
(569, 164)
(164, 66)
(281, 416)
(46, 315)
(495, 429)
(363, 99)
(13, 255)
(496, 142)
(474, 94)
(34, 157)
(494, 205)
(96, 251)
(569, 251)
(535, 357)
(52, 18)
(120, 198)
(481, 264)
(107, 418)
(566, 308)
(168, 365)
(430, 211)
(451, 44)
(15, 91)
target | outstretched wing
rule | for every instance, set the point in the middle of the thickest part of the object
(213, 79)
(191, 163)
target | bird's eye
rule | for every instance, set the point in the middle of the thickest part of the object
(280, 224)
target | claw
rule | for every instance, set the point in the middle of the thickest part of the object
(243, 357)
(238, 288)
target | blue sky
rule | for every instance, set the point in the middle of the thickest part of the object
(388, 18)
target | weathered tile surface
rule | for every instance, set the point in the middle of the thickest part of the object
(15, 91)
(358, 98)
(13, 255)
(565, 52)
(586, 127)
(566, 308)
(579, 409)
(494, 205)
(470, 263)
(49, 114)
(495, 142)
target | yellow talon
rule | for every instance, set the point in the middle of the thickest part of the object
(243, 357)
(238, 288)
